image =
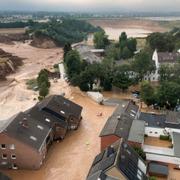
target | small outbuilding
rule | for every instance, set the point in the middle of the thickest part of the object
(158, 170)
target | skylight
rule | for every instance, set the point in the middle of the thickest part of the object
(48, 120)
(40, 127)
(33, 138)
(62, 112)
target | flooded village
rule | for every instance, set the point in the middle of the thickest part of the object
(109, 126)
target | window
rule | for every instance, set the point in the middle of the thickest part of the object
(4, 163)
(13, 156)
(150, 132)
(12, 146)
(47, 120)
(3, 146)
(14, 166)
(4, 156)
(62, 112)
(33, 138)
(40, 127)
(155, 132)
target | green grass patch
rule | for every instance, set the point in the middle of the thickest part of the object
(32, 84)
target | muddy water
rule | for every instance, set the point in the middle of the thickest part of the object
(114, 33)
(71, 158)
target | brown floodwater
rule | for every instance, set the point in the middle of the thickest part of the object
(71, 158)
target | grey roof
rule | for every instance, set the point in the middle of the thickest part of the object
(4, 177)
(158, 120)
(86, 53)
(137, 131)
(121, 156)
(61, 106)
(156, 168)
(25, 129)
(167, 57)
(176, 144)
(39, 115)
(120, 122)
(173, 117)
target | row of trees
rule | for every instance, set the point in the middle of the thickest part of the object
(64, 31)
(84, 75)
(168, 41)
(166, 95)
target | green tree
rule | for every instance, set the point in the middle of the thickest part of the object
(126, 53)
(66, 49)
(165, 72)
(131, 44)
(168, 94)
(143, 64)
(100, 40)
(123, 40)
(73, 63)
(43, 90)
(147, 93)
(161, 41)
(121, 77)
(43, 78)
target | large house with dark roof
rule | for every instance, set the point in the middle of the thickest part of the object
(123, 124)
(118, 161)
(25, 137)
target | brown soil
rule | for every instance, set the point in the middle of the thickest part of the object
(43, 42)
(128, 23)
(8, 63)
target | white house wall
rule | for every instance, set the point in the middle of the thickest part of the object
(154, 132)
(161, 158)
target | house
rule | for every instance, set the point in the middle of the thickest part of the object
(122, 124)
(23, 142)
(161, 124)
(118, 161)
(157, 125)
(63, 109)
(4, 177)
(162, 58)
(88, 54)
(59, 127)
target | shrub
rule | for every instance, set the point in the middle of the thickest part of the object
(165, 138)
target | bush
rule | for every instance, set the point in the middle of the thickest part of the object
(140, 152)
(32, 84)
(165, 138)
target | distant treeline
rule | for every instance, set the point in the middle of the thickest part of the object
(63, 31)
(17, 24)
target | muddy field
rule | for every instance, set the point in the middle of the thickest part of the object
(12, 30)
(133, 27)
